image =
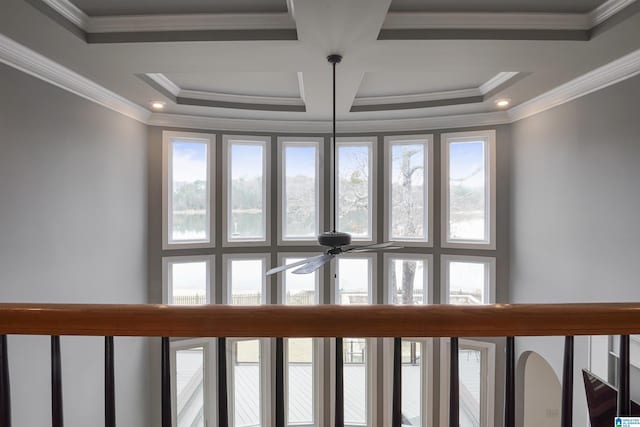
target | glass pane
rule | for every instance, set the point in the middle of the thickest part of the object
(354, 275)
(467, 204)
(354, 209)
(189, 192)
(246, 384)
(190, 387)
(299, 289)
(300, 192)
(300, 381)
(355, 381)
(407, 281)
(188, 283)
(467, 282)
(411, 383)
(246, 195)
(408, 191)
(470, 386)
(247, 277)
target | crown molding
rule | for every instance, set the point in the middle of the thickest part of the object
(607, 75)
(18, 56)
(69, 11)
(320, 126)
(164, 82)
(607, 10)
(497, 81)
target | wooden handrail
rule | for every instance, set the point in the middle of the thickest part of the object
(321, 321)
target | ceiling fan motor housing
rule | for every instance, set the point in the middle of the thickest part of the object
(334, 239)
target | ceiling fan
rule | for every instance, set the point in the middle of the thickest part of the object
(334, 240)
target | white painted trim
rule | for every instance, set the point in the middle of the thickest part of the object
(427, 142)
(227, 279)
(167, 279)
(427, 278)
(265, 142)
(70, 12)
(489, 279)
(240, 99)
(496, 81)
(29, 61)
(489, 139)
(318, 144)
(599, 78)
(164, 82)
(190, 22)
(167, 159)
(486, 21)
(607, 10)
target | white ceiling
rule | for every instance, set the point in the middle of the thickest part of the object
(267, 67)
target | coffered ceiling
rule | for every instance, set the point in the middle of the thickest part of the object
(262, 63)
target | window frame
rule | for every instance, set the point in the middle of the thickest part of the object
(427, 141)
(490, 275)
(372, 143)
(318, 344)
(167, 188)
(265, 141)
(489, 138)
(317, 142)
(487, 380)
(168, 262)
(427, 279)
(227, 293)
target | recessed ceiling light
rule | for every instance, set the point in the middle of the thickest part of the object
(503, 102)
(157, 105)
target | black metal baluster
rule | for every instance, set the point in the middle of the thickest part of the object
(5, 393)
(109, 384)
(56, 383)
(223, 408)
(166, 383)
(566, 419)
(624, 398)
(510, 383)
(279, 382)
(454, 385)
(396, 420)
(339, 412)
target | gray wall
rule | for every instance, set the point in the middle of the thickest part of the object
(575, 201)
(73, 229)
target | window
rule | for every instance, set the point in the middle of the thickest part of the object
(355, 284)
(246, 196)
(355, 162)
(249, 400)
(476, 371)
(408, 196)
(303, 372)
(187, 192)
(408, 279)
(468, 280)
(187, 280)
(468, 206)
(300, 189)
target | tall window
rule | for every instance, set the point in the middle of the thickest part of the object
(408, 198)
(355, 162)
(188, 190)
(468, 208)
(300, 189)
(303, 371)
(246, 190)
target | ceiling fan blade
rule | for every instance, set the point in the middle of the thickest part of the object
(314, 265)
(386, 248)
(292, 265)
(377, 246)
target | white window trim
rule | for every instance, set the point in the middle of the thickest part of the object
(265, 141)
(487, 372)
(209, 139)
(372, 344)
(318, 346)
(427, 279)
(489, 136)
(226, 274)
(301, 141)
(210, 377)
(371, 142)
(490, 272)
(168, 262)
(427, 141)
